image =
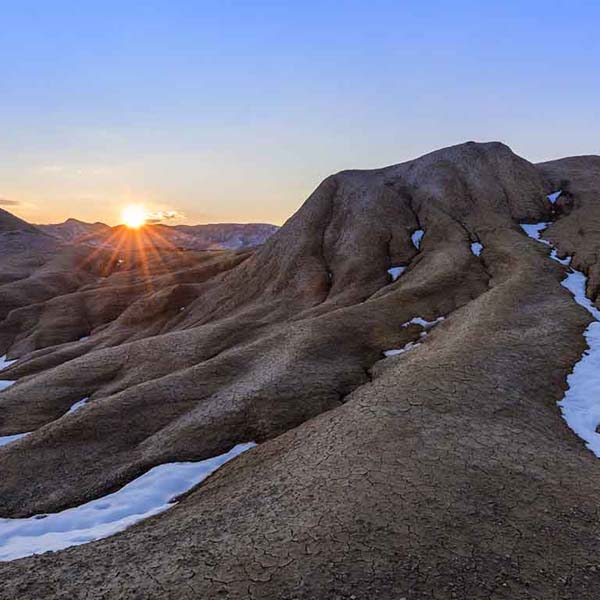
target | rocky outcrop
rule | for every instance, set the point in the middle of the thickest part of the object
(443, 471)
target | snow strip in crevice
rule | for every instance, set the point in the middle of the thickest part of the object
(80, 404)
(422, 322)
(554, 196)
(426, 325)
(416, 238)
(395, 272)
(4, 362)
(402, 350)
(580, 406)
(148, 495)
(533, 230)
(7, 439)
(476, 248)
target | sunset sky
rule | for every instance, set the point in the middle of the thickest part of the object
(234, 111)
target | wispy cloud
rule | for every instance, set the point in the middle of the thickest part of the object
(74, 170)
(163, 215)
(5, 202)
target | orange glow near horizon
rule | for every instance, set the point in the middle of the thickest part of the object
(134, 216)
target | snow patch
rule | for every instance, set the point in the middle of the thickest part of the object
(402, 350)
(148, 495)
(80, 404)
(395, 272)
(580, 405)
(563, 261)
(4, 363)
(416, 238)
(476, 248)
(422, 322)
(533, 230)
(411, 345)
(554, 196)
(576, 283)
(7, 439)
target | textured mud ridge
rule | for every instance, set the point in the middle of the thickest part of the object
(446, 471)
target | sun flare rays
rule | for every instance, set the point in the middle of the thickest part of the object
(134, 216)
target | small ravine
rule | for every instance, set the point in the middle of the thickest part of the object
(580, 406)
(148, 495)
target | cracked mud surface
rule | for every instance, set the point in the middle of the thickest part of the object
(444, 472)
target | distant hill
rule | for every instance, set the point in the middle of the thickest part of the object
(74, 231)
(190, 237)
(17, 236)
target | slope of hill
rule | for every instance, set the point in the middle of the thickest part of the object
(397, 351)
(18, 237)
(75, 231)
(231, 236)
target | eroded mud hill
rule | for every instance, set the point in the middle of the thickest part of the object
(443, 471)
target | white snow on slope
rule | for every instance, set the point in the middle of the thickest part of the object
(402, 350)
(395, 272)
(533, 230)
(422, 322)
(581, 404)
(77, 405)
(410, 345)
(476, 248)
(148, 495)
(5, 363)
(416, 238)
(554, 196)
(7, 439)
(576, 283)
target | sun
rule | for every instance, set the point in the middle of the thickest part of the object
(134, 216)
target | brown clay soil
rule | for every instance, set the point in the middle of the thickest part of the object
(444, 472)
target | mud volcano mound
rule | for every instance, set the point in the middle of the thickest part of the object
(396, 351)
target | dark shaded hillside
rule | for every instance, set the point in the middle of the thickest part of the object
(395, 459)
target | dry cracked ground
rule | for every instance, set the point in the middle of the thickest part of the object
(443, 471)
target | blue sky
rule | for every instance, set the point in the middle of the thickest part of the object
(234, 111)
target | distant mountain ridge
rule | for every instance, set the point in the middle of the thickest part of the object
(189, 237)
(74, 230)
(18, 236)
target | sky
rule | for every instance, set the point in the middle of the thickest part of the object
(234, 111)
